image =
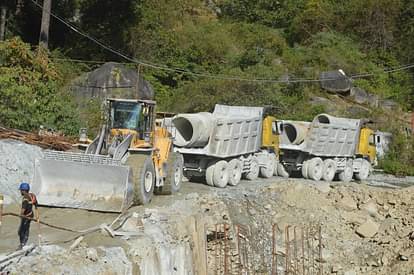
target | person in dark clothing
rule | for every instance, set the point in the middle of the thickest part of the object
(28, 201)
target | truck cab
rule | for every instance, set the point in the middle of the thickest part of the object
(270, 134)
(366, 146)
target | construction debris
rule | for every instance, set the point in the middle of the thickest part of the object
(45, 141)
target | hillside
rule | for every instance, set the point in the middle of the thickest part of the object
(198, 53)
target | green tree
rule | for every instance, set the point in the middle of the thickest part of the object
(29, 91)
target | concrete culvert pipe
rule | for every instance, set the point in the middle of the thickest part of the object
(328, 119)
(192, 130)
(294, 132)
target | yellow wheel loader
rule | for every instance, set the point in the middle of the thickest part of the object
(129, 161)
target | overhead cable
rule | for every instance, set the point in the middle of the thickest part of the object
(205, 75)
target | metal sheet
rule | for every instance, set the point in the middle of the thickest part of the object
(77, 184)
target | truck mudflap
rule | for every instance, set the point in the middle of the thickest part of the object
(85, 181)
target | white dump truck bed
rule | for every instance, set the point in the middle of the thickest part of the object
(228, 131)
(329, 136)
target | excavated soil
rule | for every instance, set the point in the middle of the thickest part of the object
(170, 233)
(366, 228)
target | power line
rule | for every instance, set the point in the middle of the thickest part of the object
(206, 75)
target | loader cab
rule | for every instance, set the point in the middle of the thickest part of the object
(132, 116)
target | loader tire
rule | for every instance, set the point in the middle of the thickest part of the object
(315, 168)
(254, 169)
(174, 175)
(143, 177)
(235, 172)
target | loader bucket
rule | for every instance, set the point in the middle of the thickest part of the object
(83, 181)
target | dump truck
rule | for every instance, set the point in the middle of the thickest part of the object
(129, 161)
(327, 147)
(230, 143)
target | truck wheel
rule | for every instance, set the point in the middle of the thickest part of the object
(254, 169)
(221, 174)
(267, 170)
(329, 169)
(210, 173)
(275, 164)
(346, 175)
(364, 171)
(315, 168)
(174, 175)
(235, 172)
(143, 177)
(304, 169)
(281, 171)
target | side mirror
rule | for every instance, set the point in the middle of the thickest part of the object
(280, 126)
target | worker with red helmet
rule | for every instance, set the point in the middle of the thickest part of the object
(28, 201)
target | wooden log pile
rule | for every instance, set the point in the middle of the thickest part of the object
(43, 140)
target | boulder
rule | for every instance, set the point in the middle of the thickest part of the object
(368, 229)
(112, 80)
(359, 95)
(335, 81)
(370, 207)
(348, 203)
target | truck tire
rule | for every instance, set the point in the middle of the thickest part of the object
(268, 170)
(346, 175)
(281, 171)
(315, 168)
(143, 177)
(235, 172)
(304, 169)
(210, 173)
(275, 164)
(254, 169)
(329, 169)
(221, 174)
(364, 171)
(174, 175)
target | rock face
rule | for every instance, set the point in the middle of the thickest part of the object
(113, 80)
(16, 165)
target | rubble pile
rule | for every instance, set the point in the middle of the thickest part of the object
(365, 230)
(43, 139)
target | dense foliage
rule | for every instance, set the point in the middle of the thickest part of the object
(29, 91)
(261, 39)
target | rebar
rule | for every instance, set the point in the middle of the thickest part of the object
(303, 250)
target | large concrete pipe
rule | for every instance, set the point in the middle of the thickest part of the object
(339, 121)
(294, 132)
(192, 130)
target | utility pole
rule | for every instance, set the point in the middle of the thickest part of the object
(44, 29)
(3, 14)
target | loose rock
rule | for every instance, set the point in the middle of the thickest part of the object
(368, 229)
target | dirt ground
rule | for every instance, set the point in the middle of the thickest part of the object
(367, 228)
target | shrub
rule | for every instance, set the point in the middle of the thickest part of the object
(30, 93)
